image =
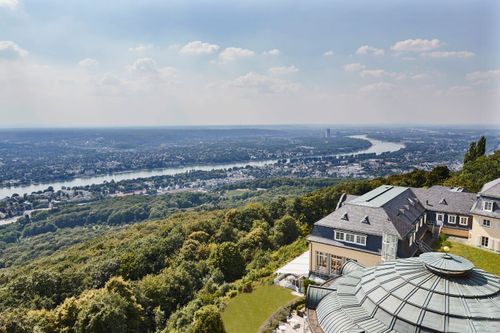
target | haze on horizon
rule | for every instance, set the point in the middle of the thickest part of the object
(157, 63)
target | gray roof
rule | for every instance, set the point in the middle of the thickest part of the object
(379, 196)
(390, 209)
(344, 198)
(491, 189)
(489, 192)
(477, 208)
(445, 199)
(410, 295)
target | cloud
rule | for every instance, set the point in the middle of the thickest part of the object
(379, 73)
(144, 65)
(11, 51)
(284, 70)
(234, 53)
(457, 91)
(141, 47)
(449, 54)
(263, 83)
(419, 76)
(328, 53)
(373, 73)
(148, 68)
(110, 80)
(355, 67)
(483, 76)
(365, 49)
(88, 63)
(416, 45)
(10, 4)
(377, 87)
(198, 47)
(273, 52)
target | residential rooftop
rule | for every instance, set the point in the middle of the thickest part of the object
(491, 189)
(386, 209)
(379, 196)
(445, 199)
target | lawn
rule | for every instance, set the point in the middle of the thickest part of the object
(246, 312)
(486, 260)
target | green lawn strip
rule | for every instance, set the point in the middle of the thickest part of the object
(246, 312)
(486, 260)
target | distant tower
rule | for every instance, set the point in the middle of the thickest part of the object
(328, 133)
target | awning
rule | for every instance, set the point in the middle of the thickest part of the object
(298, 266)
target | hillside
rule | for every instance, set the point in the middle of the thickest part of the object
(167, 275)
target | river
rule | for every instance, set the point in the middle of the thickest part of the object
(377, 147)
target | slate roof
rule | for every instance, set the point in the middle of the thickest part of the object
(445, 199)
(391, 209)
(422, 294)
(489, 192)
(491, 189)
(478, 208)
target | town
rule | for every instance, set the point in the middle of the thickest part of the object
(320, 160)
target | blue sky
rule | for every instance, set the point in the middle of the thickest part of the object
(126, 63)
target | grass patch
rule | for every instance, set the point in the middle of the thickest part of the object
(246, 312)
(480, 258)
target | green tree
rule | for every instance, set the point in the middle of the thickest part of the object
(111, 309)
(15, 321)
(168, 290)
(229, 260)
(243, 218)
(438, 174)
(476, 150)
(476, 173)
(208, 320)
(285, 231)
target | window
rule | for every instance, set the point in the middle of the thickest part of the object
(440, 217)
(488, 205)
(452, 219)
(361, 239)
(336, 263)
(321, 261)
(486, 223)
(464, 220)
(484, 241)
(350, 238)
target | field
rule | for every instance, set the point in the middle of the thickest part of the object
(482, 259)
(246, 312)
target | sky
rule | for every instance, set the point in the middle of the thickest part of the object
(166, 63)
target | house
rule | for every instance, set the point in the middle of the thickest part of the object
(448, 209)
(383, 224)
(392, 222)
(485, 231)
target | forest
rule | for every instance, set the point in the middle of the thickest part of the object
(175, 272)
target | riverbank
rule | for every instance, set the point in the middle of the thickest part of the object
(377, 146)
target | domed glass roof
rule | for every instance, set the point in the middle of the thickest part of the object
(435, 292)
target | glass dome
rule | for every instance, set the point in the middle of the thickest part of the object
(436, 292)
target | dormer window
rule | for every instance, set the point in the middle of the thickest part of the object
(443, 202)
(488, 206)
(365, 220)
(345, 217)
